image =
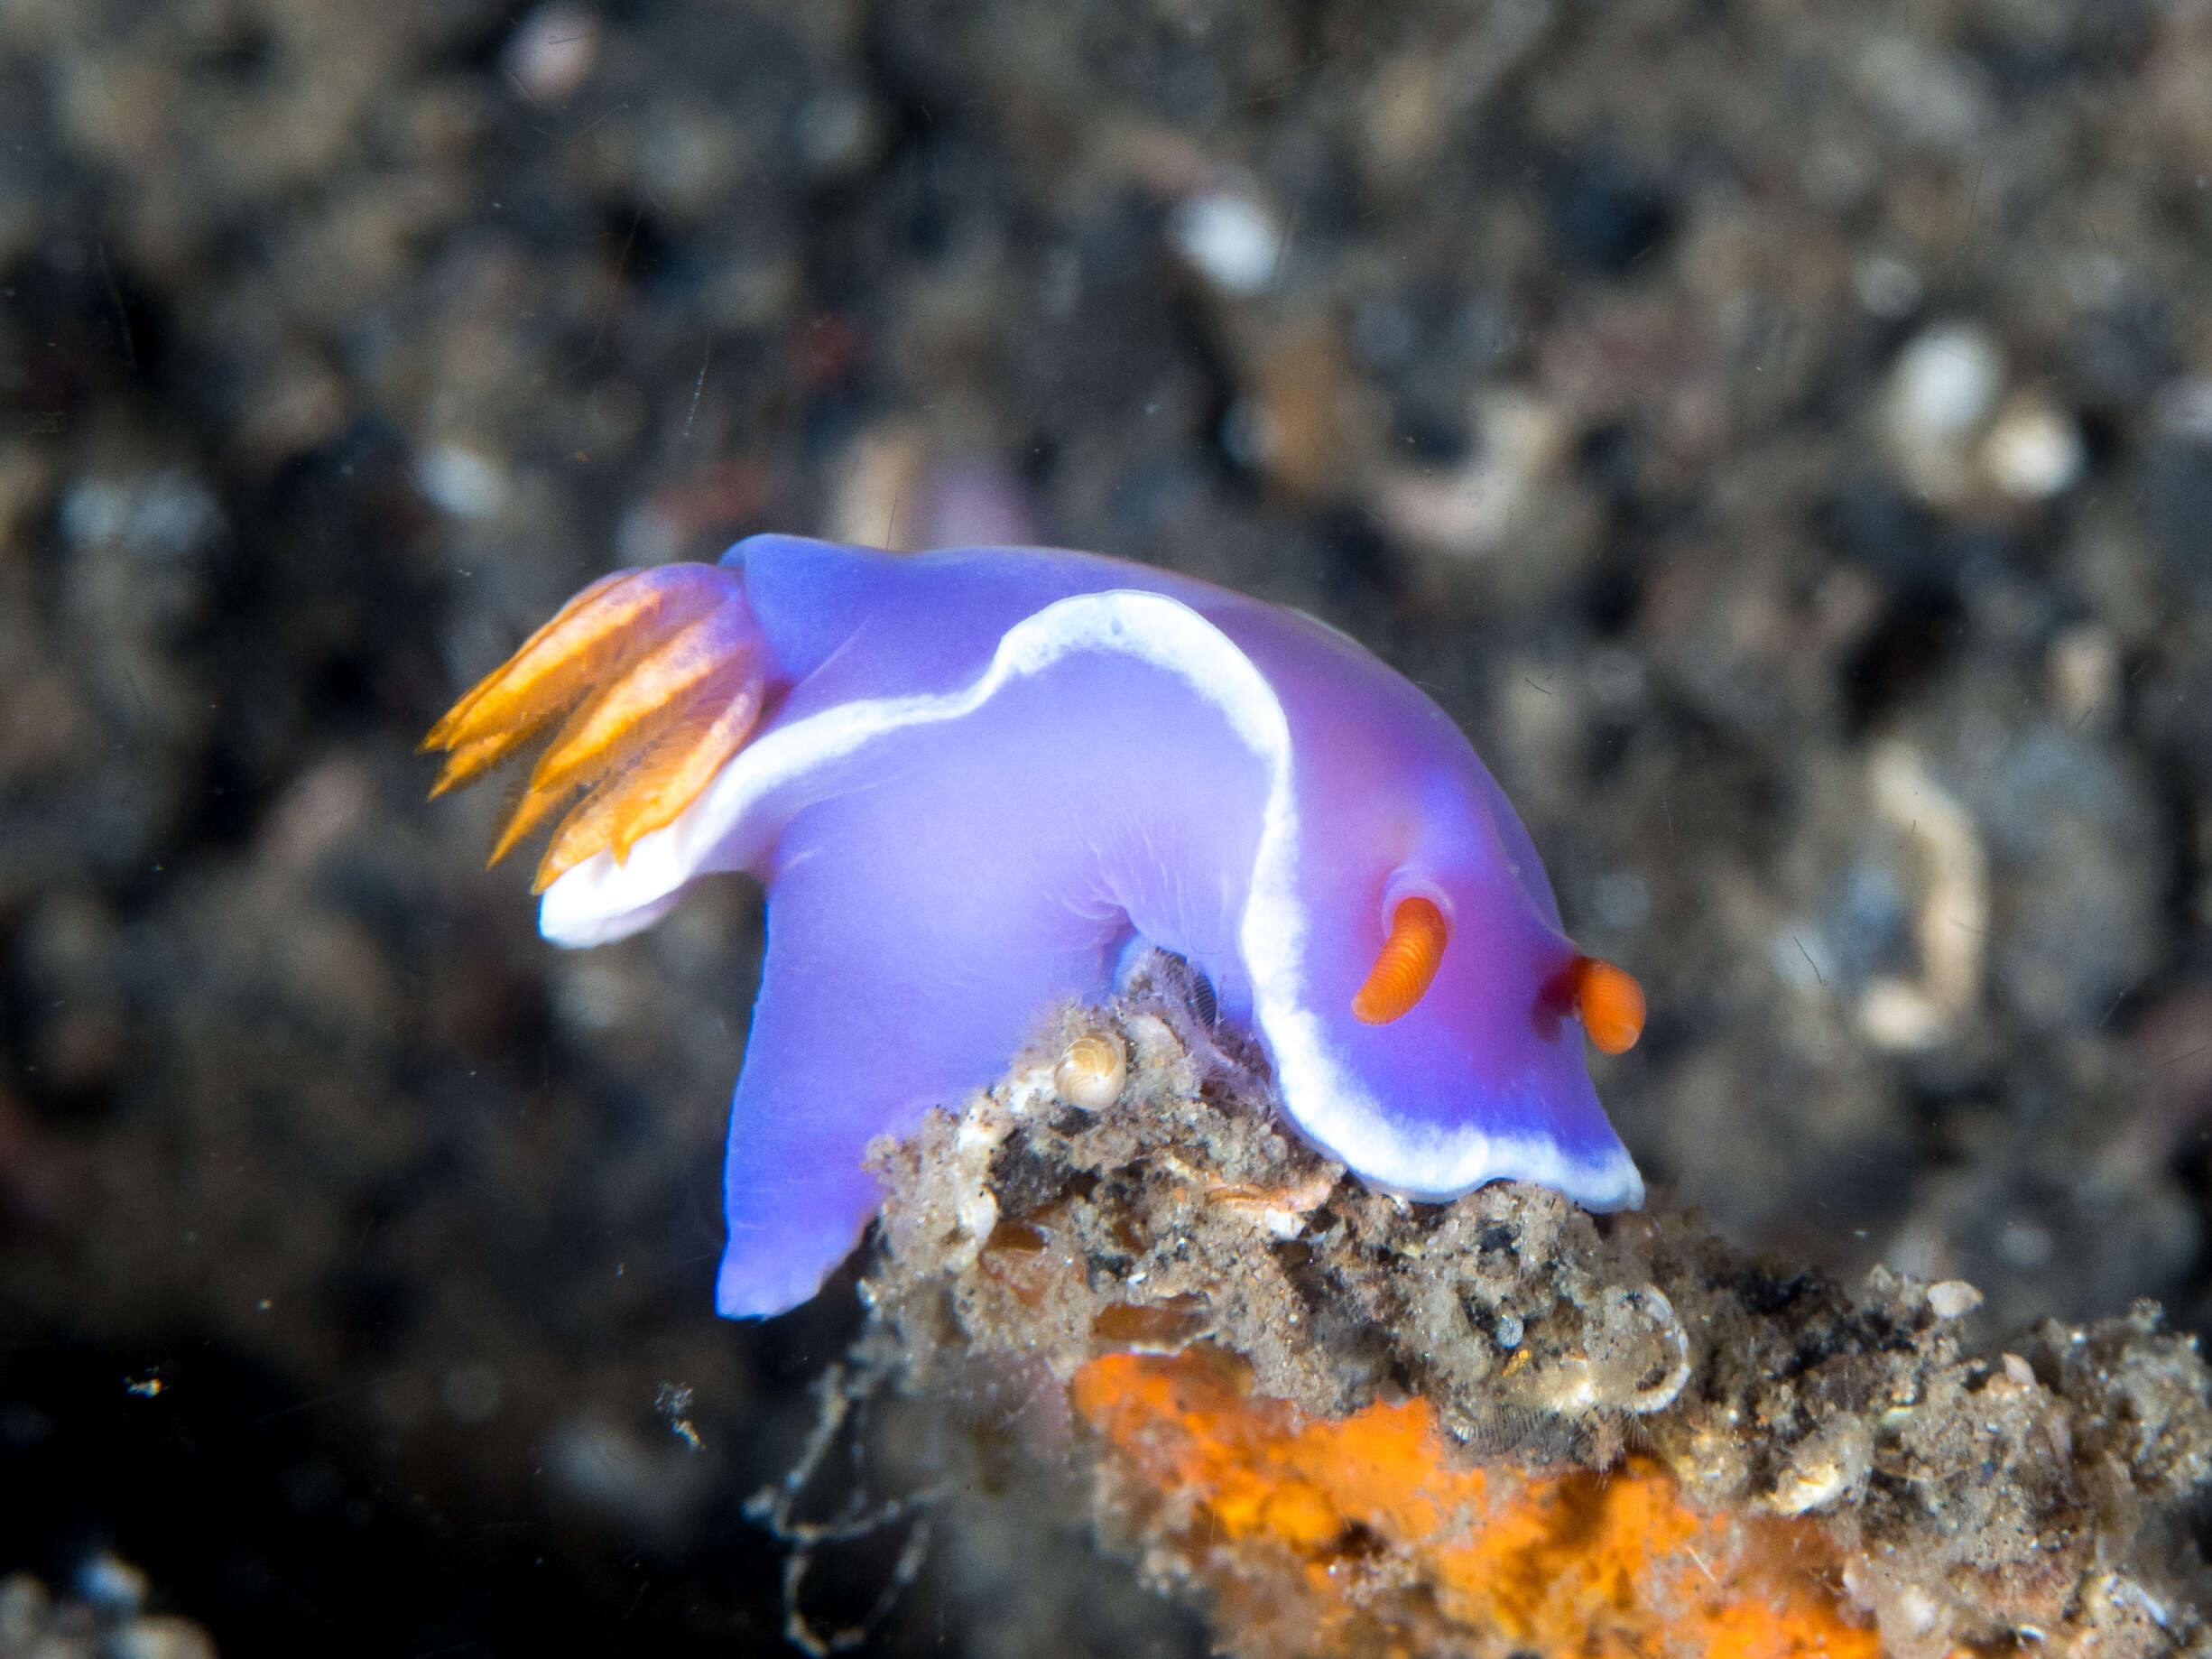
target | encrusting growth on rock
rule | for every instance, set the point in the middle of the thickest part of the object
(1357, 1425)
(1372, 1533)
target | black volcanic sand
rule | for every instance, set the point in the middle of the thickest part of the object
(1781, 436)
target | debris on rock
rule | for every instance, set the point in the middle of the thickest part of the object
(1355, 1424)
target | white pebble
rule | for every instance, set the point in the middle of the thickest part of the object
(109, 1582)
(160, 1638)
(552, 51)
(836, 133)
(164, 514)
(1945, 383)
(1927, 94)
(2083, 670)
(1887, 287)
(1899, 1018)
(1952, 1299)
(2033, 452)
(462, 482)
(1233, 240)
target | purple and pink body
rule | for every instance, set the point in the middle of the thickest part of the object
(969, 781)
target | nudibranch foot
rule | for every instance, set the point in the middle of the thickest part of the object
(660, 674)
(889, 985)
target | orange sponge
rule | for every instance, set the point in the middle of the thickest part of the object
(1374, 1534)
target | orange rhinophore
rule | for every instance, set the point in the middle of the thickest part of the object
(1405, 966)
(659, 673)
(1610, 1004)
(1373, 1533)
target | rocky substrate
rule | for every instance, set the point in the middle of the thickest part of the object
(2039, 1492)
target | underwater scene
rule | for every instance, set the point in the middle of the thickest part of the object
(1144, 828)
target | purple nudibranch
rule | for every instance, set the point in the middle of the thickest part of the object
(970, 780)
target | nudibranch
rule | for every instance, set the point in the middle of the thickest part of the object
(970, 781)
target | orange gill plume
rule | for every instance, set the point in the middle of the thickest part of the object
(1405, 966)
(659, 673)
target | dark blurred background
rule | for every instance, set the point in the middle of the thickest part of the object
(1781, 433)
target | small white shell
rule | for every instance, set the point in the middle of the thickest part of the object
(1660, 1311)
(1091, 1072)
(1953, 1298)
(1281, 1212)
(1831, 1463)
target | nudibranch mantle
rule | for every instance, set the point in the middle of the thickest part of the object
(977, 775)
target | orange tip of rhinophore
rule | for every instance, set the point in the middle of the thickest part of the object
(1610, 1003)
(1404, 967)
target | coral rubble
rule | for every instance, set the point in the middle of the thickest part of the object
(1501, 1425)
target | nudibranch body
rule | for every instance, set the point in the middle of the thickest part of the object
(969, 779)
